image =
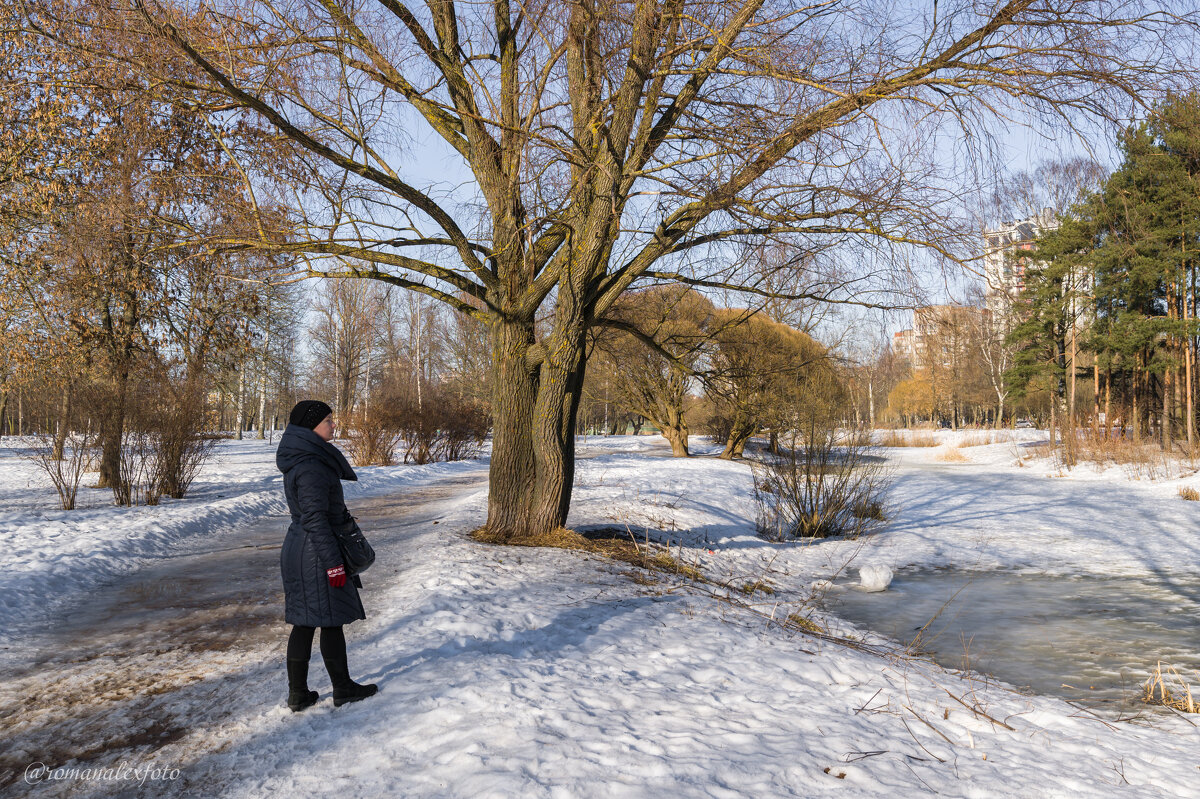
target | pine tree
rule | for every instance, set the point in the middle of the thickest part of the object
(1123, 263)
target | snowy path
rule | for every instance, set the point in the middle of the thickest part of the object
(153, 657)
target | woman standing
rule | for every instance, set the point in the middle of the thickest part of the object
(314, 577)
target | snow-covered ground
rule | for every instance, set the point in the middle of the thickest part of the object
(518, 672)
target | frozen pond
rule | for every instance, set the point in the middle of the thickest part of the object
(1092, 640)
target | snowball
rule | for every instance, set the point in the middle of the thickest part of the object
(874, 578)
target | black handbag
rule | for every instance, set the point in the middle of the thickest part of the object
(357, 553)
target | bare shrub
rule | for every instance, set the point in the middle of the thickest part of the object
(372, 438)
(66, 470)
(182, 439)
(441, 425)
(717, 424)
(167, 441)
(465, 425)
(135, 483)
(419, 425)
(821, 485)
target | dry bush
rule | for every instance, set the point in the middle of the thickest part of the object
(441, 429)
(905, 438)
(372, 438)
(65, 471)
(440, 425)
(1189, 493)
(168, 437)
(717, 422)
(819, 487)
(1143, 460)
(183, 438)
(135, 483)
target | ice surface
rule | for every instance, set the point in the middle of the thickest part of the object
(1089, 639)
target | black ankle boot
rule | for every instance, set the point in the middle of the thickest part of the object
(353, 692)
(299, 697)
(345, 689)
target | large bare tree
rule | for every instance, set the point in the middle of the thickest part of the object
(607, 143)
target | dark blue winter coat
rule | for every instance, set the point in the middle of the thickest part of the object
(313, 470)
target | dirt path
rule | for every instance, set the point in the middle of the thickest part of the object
(124, 673)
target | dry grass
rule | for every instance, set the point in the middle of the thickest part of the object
(869, 509)
(906, 438)
(805, 624)
(858, 438)
(1189, 493)
(610, 543)
(1141, 460)
(952, 455)
(760, 586)
(983, 439)
(1169, 690)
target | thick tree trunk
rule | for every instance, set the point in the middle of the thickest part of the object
(678, 439)
(559, 391)
(514, 392)
(735, 444)
(677, 436)
(673, 426)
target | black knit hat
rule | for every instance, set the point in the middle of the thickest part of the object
(309, 413)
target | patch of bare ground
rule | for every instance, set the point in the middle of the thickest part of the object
(133, 694)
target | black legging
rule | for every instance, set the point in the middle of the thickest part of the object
(333, 643)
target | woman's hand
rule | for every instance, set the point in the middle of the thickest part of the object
(337, 576)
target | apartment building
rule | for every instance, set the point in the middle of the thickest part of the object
(1003, 263)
